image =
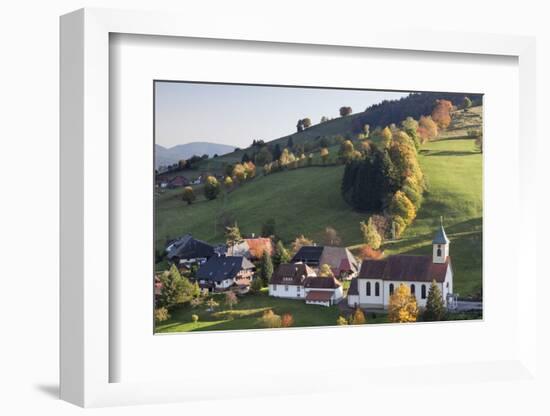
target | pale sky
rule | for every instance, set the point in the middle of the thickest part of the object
(237, 114)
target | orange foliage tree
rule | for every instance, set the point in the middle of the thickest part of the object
(441, 113)
(427, 129)
(287, 320)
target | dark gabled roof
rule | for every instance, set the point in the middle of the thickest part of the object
(319, 296)
(405, 268)
(291, 274)
(322, 283)
(188, 247)
(217, 269)
(353, 289)
(308, 254)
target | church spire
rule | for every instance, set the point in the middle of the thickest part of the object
(440, 244)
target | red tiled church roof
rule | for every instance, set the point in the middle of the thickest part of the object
(405, 268)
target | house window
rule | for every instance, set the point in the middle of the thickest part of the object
(413, 289)
(274, 287)
(298, 288)
(286, 288)
(423, 291)
(368, 288)
(377, 289)
(391, 289)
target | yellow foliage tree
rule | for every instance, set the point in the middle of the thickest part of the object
(402, 206)
(300, 242)
(324, 154)
(325, 271)
(358, 317)
(402, 306)
(386, 136)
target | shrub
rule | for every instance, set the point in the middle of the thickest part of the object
(270, 320)
(341, 321)
(161, 315)
(287, 320)
(195, 318)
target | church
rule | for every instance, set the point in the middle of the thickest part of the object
(377, 279)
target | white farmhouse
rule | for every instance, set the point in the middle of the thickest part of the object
(288, 280)
(377, 279)
(298, 281)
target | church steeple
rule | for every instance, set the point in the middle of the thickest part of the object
(440, 244)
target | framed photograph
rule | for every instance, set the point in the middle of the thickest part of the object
(247, 206)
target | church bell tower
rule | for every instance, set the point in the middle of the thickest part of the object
(440, 244)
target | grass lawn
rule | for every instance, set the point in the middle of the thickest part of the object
(246, 313)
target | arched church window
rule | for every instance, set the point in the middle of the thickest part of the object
(377, 289)
(439, 251)
(413, 289)
(423, 291)
(391, 289)
(368, 288)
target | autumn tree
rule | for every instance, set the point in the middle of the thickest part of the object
(270, 320)
(358, 317)
(331, 237)
(386, 137)
(427, 129)
(306, 122)
(325, 271)
(341, 321)
(228, 182)
(441, 113)
(287, 320)
(188, 195)
(266, 267)
(249, 169)
(345, 111)
(402, 307)
(281, 254)
(211, 188)
(402, 206)
(233, 235)
(195, 318)
(300, 242)
(410, 126)
(435, 307)
(347, 152)
(371, 237)
(367, 252)
(182, 164)
(239, 172)
(324, 154)
(231, 299)
(212, 304)
(161, 315)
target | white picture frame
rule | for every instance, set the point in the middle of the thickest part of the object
(86, 356)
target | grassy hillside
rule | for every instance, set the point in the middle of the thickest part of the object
(305, 201)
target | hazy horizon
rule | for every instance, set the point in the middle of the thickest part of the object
(237, 114)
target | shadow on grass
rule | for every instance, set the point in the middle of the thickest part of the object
(448, 153)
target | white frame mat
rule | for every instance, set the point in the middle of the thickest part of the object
(86, 220)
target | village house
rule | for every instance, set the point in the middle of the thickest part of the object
(342, 263)
(288, 280)
(177, 182)
(377, 279)
(340, 260)
(299, 281)
(323, 291)
(221, 273)
(187, 250)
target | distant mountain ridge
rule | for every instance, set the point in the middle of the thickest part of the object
(167, 156)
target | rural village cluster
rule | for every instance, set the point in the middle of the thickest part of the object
(315, 274)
